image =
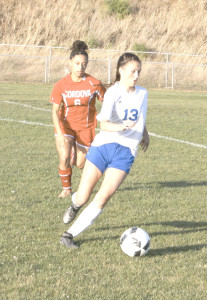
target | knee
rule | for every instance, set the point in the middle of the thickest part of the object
(82, 198)
(101, 200)
(80, 164)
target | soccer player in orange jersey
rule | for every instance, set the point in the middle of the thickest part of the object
(74, 114)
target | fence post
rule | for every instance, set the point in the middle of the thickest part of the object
(172, 76)
(49, 64)
(46, 66)
(109, 68)
(166, 74)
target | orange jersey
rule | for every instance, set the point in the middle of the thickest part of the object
(78, 100)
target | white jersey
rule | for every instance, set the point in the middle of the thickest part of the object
(118, 106)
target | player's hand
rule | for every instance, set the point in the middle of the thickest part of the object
(145, 141)
(128, 124)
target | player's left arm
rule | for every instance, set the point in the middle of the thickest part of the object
(100, 91)
(145, 140)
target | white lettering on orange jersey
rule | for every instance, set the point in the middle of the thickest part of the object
(77, 94)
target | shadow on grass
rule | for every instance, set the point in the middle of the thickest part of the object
(178, 184)
(177, 232)
(181, 224)
(174, 250)
(164, 184)
(196, 226)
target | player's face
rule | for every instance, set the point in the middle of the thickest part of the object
(130, 73)
(78, 65)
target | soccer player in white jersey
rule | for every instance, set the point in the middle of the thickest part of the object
(122, 122)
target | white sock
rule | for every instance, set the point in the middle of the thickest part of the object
(73, 200)
(86, 218)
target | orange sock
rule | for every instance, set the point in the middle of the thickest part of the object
(65, 176)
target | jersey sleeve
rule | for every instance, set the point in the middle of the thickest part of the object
(100, 91)
(56, 95)
(107, 106)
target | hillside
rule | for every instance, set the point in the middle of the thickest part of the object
(178, 26)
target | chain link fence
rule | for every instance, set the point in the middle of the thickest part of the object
(42, 64)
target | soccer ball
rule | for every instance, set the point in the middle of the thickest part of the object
(135, 242)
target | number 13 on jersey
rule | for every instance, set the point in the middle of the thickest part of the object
(131, 115)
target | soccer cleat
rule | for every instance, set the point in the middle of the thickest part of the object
(67, 240)
(70, 214)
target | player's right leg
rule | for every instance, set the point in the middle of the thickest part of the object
(65, 171)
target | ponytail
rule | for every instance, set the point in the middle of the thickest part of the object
(79, 48)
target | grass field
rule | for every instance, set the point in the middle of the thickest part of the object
(165, 194)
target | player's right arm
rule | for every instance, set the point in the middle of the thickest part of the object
(56, 100)
(56, 122)
(145, 140)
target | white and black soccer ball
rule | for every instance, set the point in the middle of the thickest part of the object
(135, 242)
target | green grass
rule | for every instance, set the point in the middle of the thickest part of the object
(165, 194)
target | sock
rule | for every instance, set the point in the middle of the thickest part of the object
(86, 218)
(74, 202)
(65, 176)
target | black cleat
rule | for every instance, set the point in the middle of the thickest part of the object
(67, 240)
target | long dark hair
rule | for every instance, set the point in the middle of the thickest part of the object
(79, 47)
(123, 60)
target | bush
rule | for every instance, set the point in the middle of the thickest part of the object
(142, 48)
(93, 43)
(119, 8)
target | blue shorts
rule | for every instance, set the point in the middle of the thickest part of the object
(111, 155)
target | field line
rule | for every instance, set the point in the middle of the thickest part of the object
(26, 122)
(176, 140)
(150, 133)
(26, 105)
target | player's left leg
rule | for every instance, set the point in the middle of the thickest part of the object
(90, 176)
(84, 138)
(112, 180)
(73, 155)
